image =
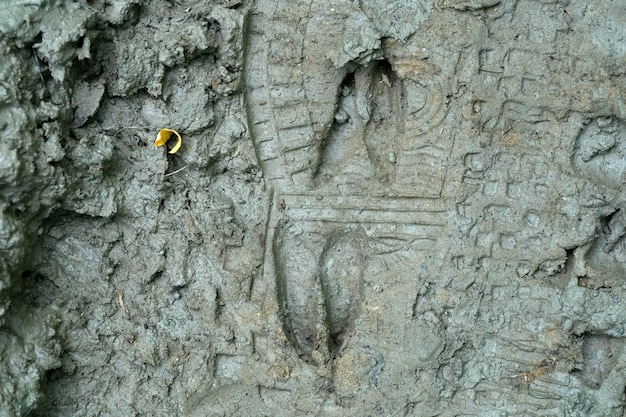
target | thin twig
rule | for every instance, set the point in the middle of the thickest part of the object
(175, 172)
(39, 67)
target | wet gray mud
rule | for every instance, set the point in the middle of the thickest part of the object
(380, 208)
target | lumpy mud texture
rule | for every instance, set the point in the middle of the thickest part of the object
(380, 208)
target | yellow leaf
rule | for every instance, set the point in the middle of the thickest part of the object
(164, 135)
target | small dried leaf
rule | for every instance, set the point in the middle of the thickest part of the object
(164, 135)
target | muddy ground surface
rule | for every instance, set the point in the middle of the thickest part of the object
(379, 208)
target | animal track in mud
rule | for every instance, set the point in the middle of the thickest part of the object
(298, 290)
(342, 264)
(320, 288)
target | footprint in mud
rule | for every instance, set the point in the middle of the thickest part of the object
(342, 135)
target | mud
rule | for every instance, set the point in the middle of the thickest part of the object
(379, 208)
